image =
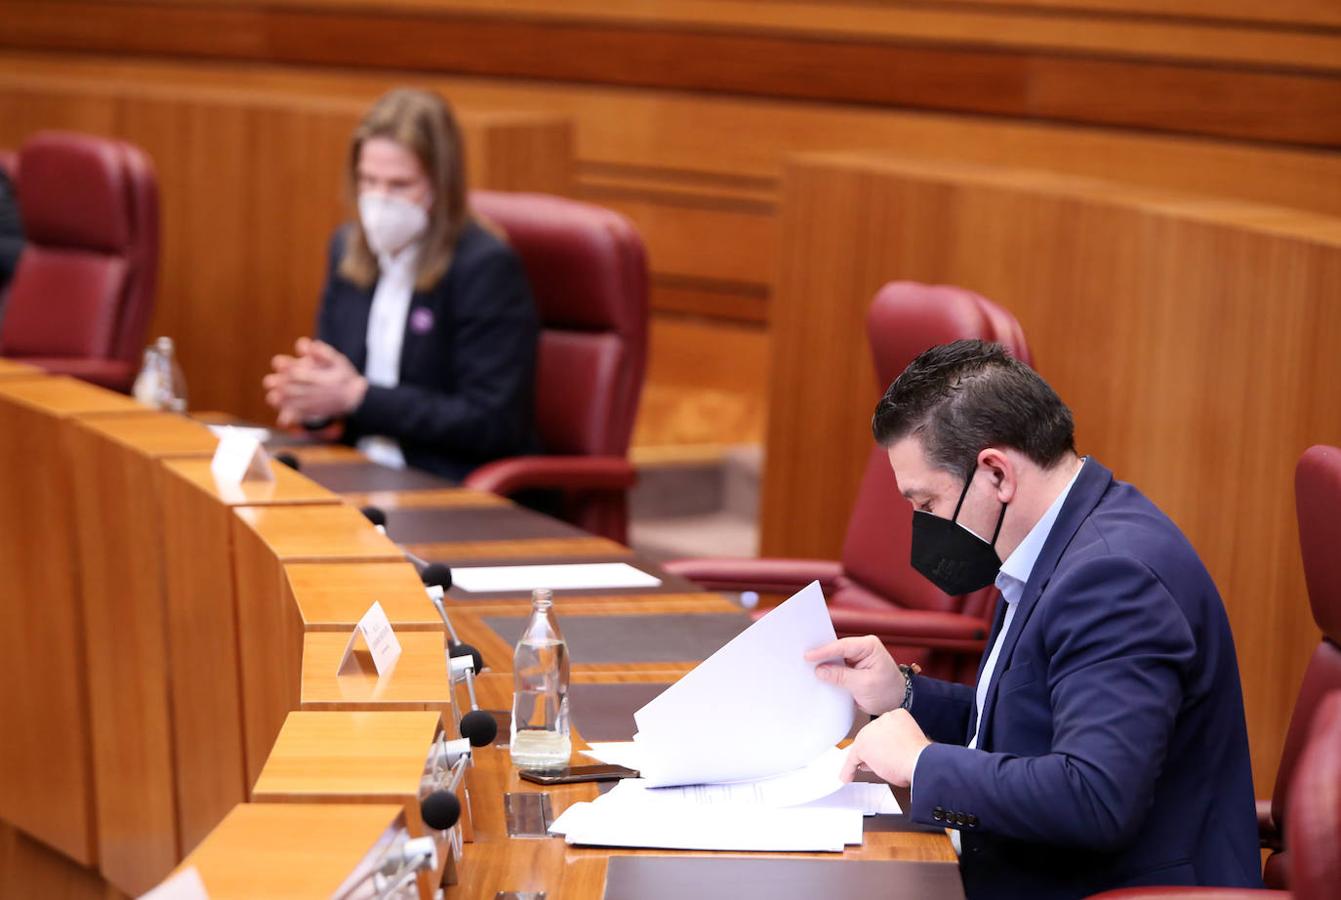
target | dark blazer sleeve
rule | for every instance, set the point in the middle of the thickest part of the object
(326, 327)
(492, 351)
(942, 709)
(1118, 647)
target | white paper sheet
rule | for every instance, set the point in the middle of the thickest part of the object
(811, 782)
(871, 799)
(563, 577)
(689, 828)
(614, 753)
(751, 710)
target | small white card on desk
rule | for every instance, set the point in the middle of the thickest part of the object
(240, 457)
(185, 885)
(558, 577)
(374, 629)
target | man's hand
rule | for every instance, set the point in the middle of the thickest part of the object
(868, 673)
(889, 747)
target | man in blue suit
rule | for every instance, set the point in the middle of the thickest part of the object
(1105, 743)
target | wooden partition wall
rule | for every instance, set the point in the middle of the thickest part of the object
(1195, 340)
(684, 112)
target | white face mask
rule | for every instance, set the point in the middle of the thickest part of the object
(390, 223)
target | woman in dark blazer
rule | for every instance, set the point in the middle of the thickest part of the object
(426, 337)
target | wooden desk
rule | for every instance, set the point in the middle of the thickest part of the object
(270, 630)
(359, 757)
(334, 596)
(418, 682)
(46, 767)
(290, 851)
(11, 368)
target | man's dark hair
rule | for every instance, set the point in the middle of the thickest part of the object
(963, 397)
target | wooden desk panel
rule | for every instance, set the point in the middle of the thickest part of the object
(12, 368)
(154, 434)
(120, 547)
(361, 756)
(203, 634)
(318, 533)
(418, 681)
(270, 630)
(334, 596)
(289, 851)
(61, 396)
(289, 487)
(46, 780)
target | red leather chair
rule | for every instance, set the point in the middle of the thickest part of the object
(1317, 497)
(588, 271)
(873, 589)
(1313, 823)
(83, 292)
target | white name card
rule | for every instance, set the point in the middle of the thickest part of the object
(374, 632)
(185, 885)
(240, 457)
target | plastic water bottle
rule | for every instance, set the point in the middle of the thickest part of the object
(540, 734)
(161, 384)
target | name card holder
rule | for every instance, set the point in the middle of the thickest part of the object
(240, 457)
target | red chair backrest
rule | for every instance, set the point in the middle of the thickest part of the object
(905, 319)
(1317, 497)
(85, 284)
(1313, 827)
(588, 272)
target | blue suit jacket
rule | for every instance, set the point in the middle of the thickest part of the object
(467, 364)
(1113, 748)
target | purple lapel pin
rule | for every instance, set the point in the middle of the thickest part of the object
(421, 320)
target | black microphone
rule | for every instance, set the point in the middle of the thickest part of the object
(375, 515)
(437, 575)
(477, 726)
(440, 810)
(289, 460)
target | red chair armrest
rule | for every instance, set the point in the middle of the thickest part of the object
(914, 628)
(766, 576)
(571, 473)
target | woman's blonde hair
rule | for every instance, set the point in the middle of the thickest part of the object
(423, 123)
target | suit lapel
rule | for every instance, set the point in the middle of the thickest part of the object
(998, 617)
(1090, 486)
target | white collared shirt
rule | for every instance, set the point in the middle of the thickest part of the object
(1011, 581)
(386, 335)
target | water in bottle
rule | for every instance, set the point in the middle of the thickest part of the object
(540, 733)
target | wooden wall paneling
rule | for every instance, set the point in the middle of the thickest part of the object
(1276, 104)
(1146, 311)
(46, 772)
(270, 629)
(203, 634)
(114, 468)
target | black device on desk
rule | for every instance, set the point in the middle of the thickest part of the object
(578, 774)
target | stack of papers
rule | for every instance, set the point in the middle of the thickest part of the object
(739, 754)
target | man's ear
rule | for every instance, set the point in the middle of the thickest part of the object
(1002, 470)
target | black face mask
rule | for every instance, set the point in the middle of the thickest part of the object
(949, 555)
